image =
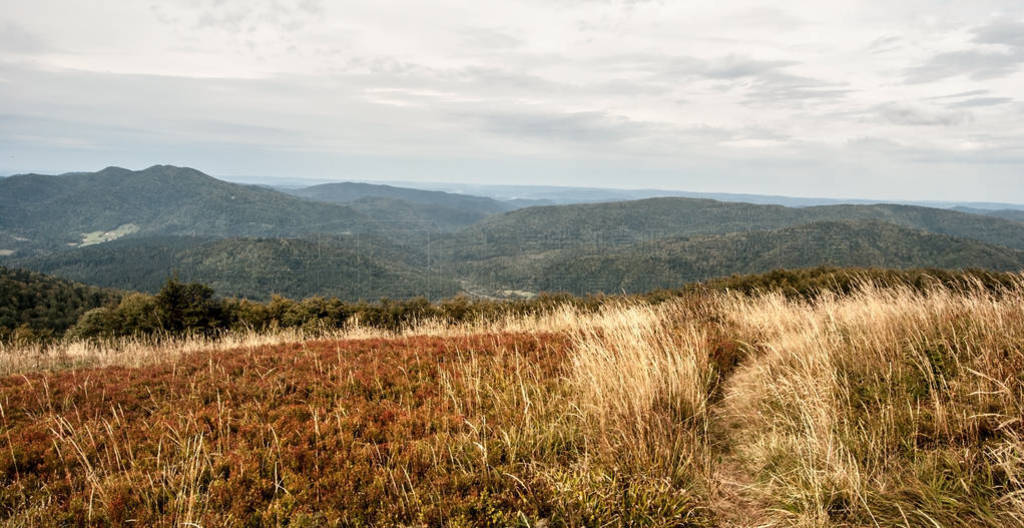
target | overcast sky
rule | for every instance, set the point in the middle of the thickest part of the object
(906, 99)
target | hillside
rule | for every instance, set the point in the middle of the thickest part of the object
(346, 267)
(44, 213)
(673, 262)
(132, 229)
(1016, 215)
(616, 224)
(348, 192)
(45, 304)
(401, 218)
(57, 211)
(372, 266)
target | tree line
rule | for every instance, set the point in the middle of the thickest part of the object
(193, 308)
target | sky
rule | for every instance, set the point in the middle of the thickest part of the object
(857, 99)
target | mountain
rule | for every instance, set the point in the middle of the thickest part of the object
(133, 229)
(674, 261)
(1016, 215)
(350, 267)
(530, 195)
(447, 209)
(615, 224)
(45, 304)
(393, 214)
(51, 212)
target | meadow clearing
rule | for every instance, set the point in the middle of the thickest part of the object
(881, 407)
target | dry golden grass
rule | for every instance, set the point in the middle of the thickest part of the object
(16, 358)
(885, 407)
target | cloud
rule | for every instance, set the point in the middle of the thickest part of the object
(981, 101)
(490, 39)
(1003, 32)
(245, 18)
(733, 67)
(795, 90)
(974, 64)
(578, 127)
(978, 63)
(901, 114)
(958, 95)
(727, 67)
(760, 81)
(885, 44)
(15, 38)
(769, 17)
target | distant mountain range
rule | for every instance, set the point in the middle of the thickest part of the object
(133, 229)
(530, 195)
(348, 192)
(1017, 215)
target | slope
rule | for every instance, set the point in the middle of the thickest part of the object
(45, 304)
(1017, 215)
(393, 215)
(617, 224)
(51, 212)
(347, 192)
(674, 261)
(350, 268)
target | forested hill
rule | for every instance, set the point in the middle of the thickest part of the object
(1017, 215)
(548, 228)
(134, 229)
(45, 304)
(673, 262)
(350, 268)
(347, 192)
(51, 212)
(393, 214)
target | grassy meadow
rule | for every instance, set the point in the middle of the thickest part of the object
(876, 408)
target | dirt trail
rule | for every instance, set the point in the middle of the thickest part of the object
(735, 498)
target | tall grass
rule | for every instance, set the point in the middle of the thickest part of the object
(642, 376)
(883, 407)
(138, 351)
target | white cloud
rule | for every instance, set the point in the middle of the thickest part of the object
(902, 114)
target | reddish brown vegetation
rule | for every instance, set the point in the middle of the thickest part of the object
(353, 433)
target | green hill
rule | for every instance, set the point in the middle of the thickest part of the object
(350, 268)
(132, 229)
(1016, 215)
(52, 212)
(617, 224)
(674, 261)
(45, 304)
(348, 192)
(400, 218)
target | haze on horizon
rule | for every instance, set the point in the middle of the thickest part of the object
(914, 100)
